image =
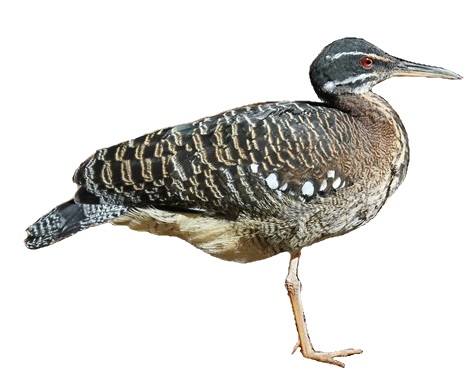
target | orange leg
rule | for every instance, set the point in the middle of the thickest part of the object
(293, 286)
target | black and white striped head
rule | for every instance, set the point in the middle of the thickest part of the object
(354, 66)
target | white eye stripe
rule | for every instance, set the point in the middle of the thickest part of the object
(331, 85)
(340, 54)
(354, 53)
(354, 79)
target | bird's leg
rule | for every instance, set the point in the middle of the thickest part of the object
(293, 286)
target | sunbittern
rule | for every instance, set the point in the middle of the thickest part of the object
(259, 180)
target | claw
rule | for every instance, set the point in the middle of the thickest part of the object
(298, 344)
(328, 357)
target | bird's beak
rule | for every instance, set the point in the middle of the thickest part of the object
(407, 68)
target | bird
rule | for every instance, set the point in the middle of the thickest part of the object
(259, 180)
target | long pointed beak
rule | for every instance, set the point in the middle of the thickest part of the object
(407, 68)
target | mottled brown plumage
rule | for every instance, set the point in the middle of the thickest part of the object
(258, 180)
(206, 167)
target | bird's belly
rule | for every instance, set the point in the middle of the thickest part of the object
(226, 239)
(250, 238)
(334, 216)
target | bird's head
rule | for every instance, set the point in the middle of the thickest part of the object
(354, 66)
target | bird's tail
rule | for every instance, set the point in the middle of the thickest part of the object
(67, 219)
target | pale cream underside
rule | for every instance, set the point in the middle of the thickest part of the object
(215, 236)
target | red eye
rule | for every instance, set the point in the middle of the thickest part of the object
(367, 62)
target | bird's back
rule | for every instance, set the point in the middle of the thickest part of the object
(224, 164)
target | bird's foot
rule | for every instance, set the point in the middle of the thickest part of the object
(326, 357)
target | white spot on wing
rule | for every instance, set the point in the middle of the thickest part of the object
(272, 181)
(331, 174)
(323, 186)
(308, 188)
(254, 168)
(283, 187)
(337, 182)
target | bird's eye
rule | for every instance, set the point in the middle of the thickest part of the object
(367, 62)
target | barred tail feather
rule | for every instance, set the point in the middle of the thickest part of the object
(67, 219)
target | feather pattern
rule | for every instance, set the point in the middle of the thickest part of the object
(221, 164)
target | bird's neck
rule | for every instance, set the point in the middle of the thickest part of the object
(382, 127)
(364, 105)
(374, 113)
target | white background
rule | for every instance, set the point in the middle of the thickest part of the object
(114, 306)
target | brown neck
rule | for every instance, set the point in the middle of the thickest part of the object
(375, 113)
(383, 130)
(364, 105)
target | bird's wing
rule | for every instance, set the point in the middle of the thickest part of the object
(227, 163)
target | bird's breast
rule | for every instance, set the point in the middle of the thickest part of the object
(377, 165)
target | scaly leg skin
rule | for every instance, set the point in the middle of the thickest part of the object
(293, 286)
